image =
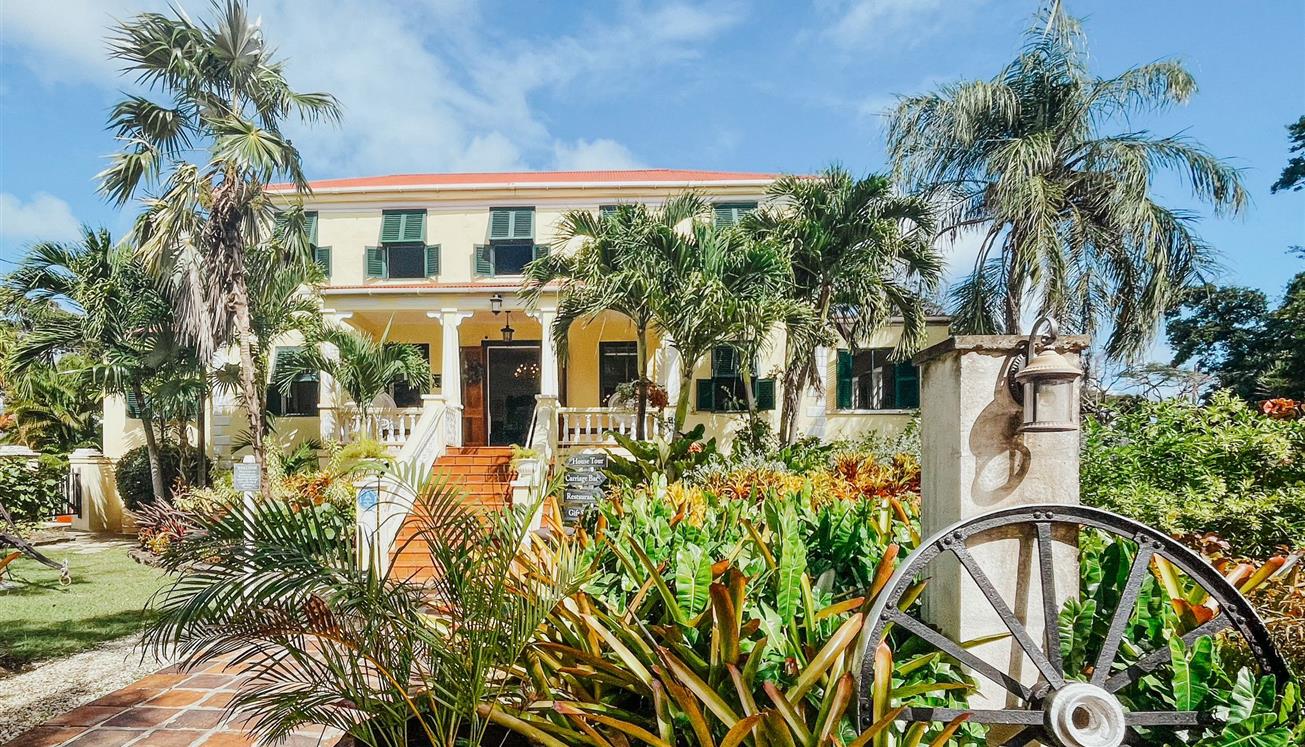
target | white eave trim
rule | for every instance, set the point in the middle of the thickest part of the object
(513, 186)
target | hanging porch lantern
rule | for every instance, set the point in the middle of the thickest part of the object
(1045, 383)
(507, 328)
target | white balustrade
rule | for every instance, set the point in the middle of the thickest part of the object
(389, 426)
(579, 426)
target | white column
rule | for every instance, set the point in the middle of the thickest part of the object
(547, 351)
(450, 355)
(329, 405)
(667, 362)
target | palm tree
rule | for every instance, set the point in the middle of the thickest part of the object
(1070, 219)
(54, 408)
(111, 312)
(363, 366)
(717, 288)
(225, 95)
(860, 254)
(615, 268)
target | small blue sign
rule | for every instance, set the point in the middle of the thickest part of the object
(368, 498)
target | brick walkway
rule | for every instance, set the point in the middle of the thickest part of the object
(167, 709)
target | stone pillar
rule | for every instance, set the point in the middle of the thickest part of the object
(102, 508)
(450, 356)
(547, 351)
(974, 460)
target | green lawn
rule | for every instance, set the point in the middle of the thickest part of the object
(41, 619)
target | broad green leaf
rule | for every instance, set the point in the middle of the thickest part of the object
(1192, 670)
(792, 565)
(692, 577)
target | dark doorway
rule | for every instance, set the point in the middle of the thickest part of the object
(512, 383)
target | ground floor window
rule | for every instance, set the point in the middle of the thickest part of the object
(404, 394)
(301, 399)
(725, 390)
(870, 380)
(618, 363)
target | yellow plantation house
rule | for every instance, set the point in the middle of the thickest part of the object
(437, 258)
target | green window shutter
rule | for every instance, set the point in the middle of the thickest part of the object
(907, 385)
(606, 210)
(523, 223)
(729, 213)
(322, 255)
(724, 361)
(764, 391)
(133, 406)
(843, 388)
(391, 226)
(706, 399)
(432, 260)
(500, 223)
(541, 250)
(376, 262)
(484, 259)
(311, 219)
(414, 227)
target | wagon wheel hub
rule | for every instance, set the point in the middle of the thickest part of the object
(1084, 715)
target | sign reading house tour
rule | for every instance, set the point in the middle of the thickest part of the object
(583, 485)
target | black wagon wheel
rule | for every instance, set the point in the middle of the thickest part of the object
(1060, 709)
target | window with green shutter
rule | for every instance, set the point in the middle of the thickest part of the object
(871, 380)
(310, 219)
(729, 213)
(606, 210)
(484, 259)
(432, 260)
(301, 399)
(725, 392)
(403, 227)
(376, 261)
(511, 224)
(322, 256)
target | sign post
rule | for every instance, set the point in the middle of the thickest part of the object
(246, 478)
(583, 485)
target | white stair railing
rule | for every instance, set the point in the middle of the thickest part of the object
(389, 426)
(581, 426)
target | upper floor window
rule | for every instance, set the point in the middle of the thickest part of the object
(321, 254)
(511, 243)
(729, 213)
(512, 224)
(725, 390)
(403, 252)
(869, 380)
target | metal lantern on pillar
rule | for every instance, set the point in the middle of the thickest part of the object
(1046, 383)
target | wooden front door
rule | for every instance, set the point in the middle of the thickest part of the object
(473, 396)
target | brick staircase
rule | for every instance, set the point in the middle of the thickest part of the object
(482, 474)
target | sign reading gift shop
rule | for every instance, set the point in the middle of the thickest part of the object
(583, 485)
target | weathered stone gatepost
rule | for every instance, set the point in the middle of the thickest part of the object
(102, 508)
(975, 460)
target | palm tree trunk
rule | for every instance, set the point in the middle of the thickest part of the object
(792, 382)
(249, 377)
(151, 444)
(641, 350)
(201, 438)
(682, 399)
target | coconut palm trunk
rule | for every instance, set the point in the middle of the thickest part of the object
(151, 443)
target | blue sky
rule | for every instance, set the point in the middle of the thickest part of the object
(786, 86)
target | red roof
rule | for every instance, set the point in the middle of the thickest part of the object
(499, 179)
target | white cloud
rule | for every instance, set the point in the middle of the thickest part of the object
(892, 24)
(43, 217)
(425, 86)
(590, 155)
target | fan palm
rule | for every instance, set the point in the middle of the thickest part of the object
(226, 96)
(860, 255)
(332, 640)
(113, 313)
(361, 365)
(615, 268)
(1070, 218)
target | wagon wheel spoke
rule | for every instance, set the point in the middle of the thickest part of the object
(1012, 623)
(956, 651)
(1128, 676)
(977, 716)
(1050, 613)
(1166, 718)
(1027, 735)
(1124, 612)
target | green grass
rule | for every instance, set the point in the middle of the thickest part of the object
(41, 620)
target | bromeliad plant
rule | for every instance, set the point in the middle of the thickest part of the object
(711, 620)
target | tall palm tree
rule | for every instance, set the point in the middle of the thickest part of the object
(860, 254)
(716, 288)
(112, 312)
(1044, 159)
(225, 98)
(363, 367)
(615, 268)
(55, 408)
